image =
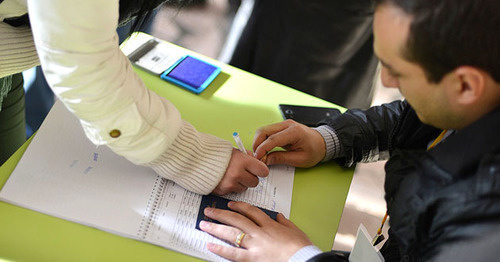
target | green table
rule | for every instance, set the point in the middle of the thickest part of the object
(236, 100)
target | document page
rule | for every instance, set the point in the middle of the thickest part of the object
(64, 175)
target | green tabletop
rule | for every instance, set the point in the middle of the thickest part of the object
(235, 101)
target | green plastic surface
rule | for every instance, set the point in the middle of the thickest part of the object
(235, 101)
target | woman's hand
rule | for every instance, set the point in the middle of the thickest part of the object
(242, 172)
(264, 239)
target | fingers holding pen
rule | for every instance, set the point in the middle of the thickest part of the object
(253, 170)
(260, 169)
(242, 172)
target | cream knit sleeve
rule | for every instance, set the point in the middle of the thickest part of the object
(195, 160)
(79, 53)
(17, 49)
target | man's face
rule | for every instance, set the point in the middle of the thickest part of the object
(430, 101)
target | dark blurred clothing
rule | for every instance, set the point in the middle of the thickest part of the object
(12, 119)
(321, 47)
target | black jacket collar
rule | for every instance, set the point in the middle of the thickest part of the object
(461, 153)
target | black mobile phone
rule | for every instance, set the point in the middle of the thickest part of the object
(307, 115)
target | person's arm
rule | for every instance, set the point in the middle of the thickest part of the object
(260, 238)
(303, 146)
(264, 240)
(364, 135)
(79, 53)
(17, 49)
(355, 136)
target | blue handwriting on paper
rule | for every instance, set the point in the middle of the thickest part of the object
(87, 170)
(94, 159)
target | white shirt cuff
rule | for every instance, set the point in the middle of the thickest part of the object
(305, 254)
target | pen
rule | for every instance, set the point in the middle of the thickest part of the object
(237, 138)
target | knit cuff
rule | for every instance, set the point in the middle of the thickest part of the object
(333, 147)
(17, 49)
(195, 161)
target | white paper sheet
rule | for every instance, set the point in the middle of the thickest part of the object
(63, 174)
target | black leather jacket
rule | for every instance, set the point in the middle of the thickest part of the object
(436, 199)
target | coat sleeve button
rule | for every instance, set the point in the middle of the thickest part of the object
(115, 133)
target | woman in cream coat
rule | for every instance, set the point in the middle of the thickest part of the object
(77, 47)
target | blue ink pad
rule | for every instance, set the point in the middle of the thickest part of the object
(191, 73)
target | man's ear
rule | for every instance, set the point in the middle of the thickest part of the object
(470, 85)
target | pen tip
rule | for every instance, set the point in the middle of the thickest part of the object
(235, 133)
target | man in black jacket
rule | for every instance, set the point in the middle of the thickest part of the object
(443, 173)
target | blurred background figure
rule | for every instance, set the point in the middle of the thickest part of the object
(320, 47)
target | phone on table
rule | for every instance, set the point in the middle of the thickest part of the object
(307, 115)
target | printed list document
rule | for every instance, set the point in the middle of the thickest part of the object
(64, 175)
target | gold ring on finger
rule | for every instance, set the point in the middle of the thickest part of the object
(239, 238)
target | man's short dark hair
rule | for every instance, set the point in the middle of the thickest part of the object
(446, 34)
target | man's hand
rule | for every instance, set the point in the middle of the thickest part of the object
(264, 239)
(242, 172)
(305, 147)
